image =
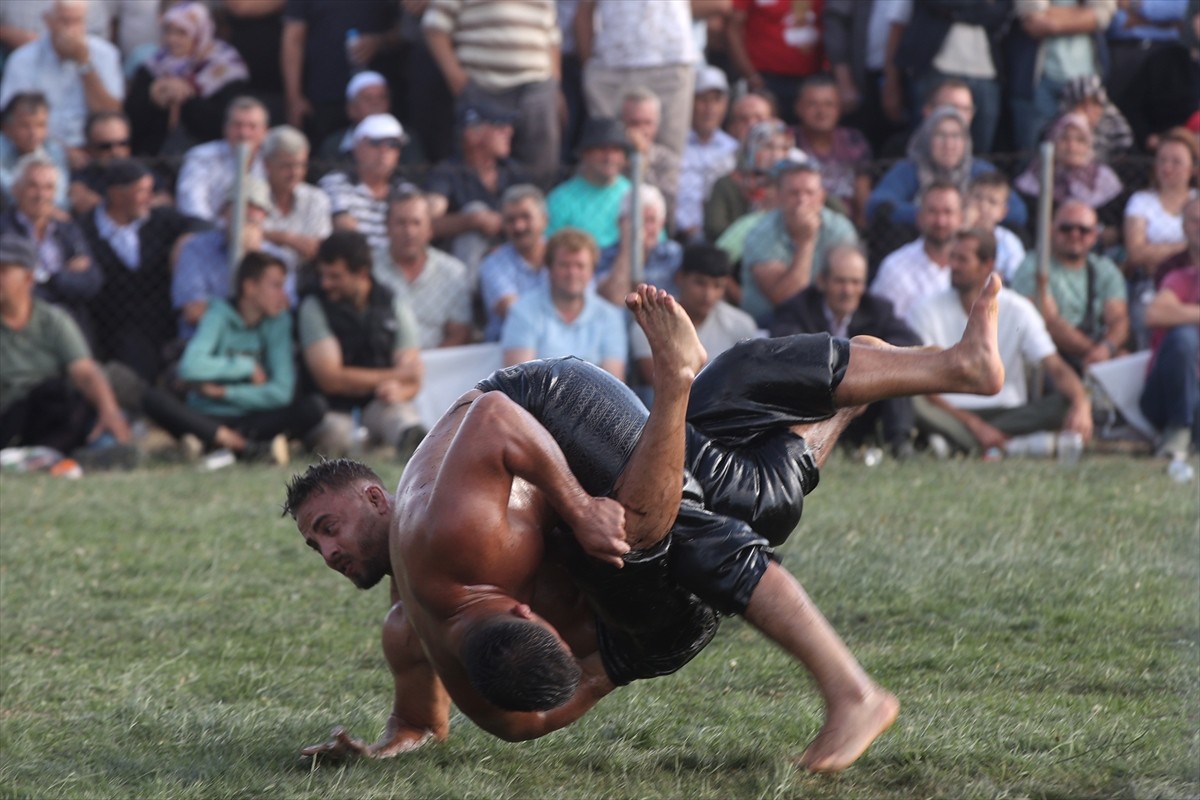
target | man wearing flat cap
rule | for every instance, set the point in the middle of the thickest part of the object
(133, 243)
(591, 200)
(52, 392)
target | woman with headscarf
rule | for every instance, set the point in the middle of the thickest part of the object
(1078, 175)
(744, 190)
(940, 150)
(177, 98)
(1111, 134)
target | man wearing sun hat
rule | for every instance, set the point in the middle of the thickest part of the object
(591, 200)
(358, 195)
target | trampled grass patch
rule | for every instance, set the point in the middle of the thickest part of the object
(166, 635)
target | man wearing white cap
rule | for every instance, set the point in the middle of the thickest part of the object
(708, 154)
(358, 196)
(367, 93)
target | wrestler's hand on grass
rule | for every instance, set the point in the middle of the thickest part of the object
(600, 530)
(396, 739)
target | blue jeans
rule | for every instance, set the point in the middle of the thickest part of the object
(1171, 397)
(985, 92)
(1031, 115)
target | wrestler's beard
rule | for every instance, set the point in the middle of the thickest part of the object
(368, 581)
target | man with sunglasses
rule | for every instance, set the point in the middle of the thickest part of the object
(1084, 301)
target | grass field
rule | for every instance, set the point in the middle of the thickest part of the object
(166, 635)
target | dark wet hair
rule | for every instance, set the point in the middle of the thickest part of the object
(705, 259)
(324, 476)
(349, 246)
(252, 267)
(518, 665)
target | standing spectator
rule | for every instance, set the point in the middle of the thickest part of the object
(775, 44)
(838, 303)
(241, 372)
(1111, 134)
(708, 156)
(358, 196)
(639, 43)
(316, 61)
(23, 132)
(176, 97)
(22, 23)
(64, 273)
(745, 189)
(567, 318)
(641, 114)
(518, 266)
(1077, 173)
(507, 55)
(1084, 297)
(571, 77)
(298, 219)
(841, 154)
(1053, 42)
(209, 170)
(660, 255)
(428, 104)
(465, 190)
(958, 39)
(977, 424)
(80, 71)
(701, 279)
(255, 29)
(435, 285)
(1138, 31)
(52, 392)
(922, 267)
(1171, 397)
(359, 349)
(987, 202)
(367, 94)
(134, 244)
(786, 250)
(747, 111)
(591, 199)
(202, 272)
(940, 152)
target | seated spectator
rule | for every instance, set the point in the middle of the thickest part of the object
(202, 270)
(434, 284)
(64, 273)
(842, 155)
(567, 318)
(465, 189)
(1084, 302)
(134, 243)
(987, 201)
(518, 266)
(708, 155)
(700, 283)
(23, 131)
(976, 424)
(107, 141)
(591, 199)
(641, 114)
(176, 97)
(209, 170)
(1171, 397)
(80, 71)
(660, 255)
(1154, 216)
(950, 92)
(745, 188)
(1077, 173)
(367, 94)
(921, 268)
(52, 393)
(748, 110)
(358, 196)
(786, 249)
(241, 372)
(940, 150)
(838, 303)
(1111, 134)
(299, 219)
(359, 348)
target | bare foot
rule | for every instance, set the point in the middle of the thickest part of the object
(978, 352)
(678, 354)
(821, 437)
(849, 730)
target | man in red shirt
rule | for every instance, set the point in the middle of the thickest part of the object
(775, 44)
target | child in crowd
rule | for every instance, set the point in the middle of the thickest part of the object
(987, 203)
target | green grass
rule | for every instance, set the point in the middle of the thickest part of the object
(166, 634)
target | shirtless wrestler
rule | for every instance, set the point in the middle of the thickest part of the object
(470, 539)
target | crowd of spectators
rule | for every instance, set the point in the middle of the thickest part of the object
(243, 221)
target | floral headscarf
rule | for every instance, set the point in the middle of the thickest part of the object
(920, 152)
(210, 65)
(1093, 183)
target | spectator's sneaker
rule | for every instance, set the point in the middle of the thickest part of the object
(939, 447)
(191, 449)
(1174, 441)
(410, 439)
(110, 456)
(902, 450)
(273, 452)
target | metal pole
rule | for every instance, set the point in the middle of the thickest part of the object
(237, 211)
(636, 250)
(1045, 213)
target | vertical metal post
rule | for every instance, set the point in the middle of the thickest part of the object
(637, 267)
(237, 210)
(1044, 220)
